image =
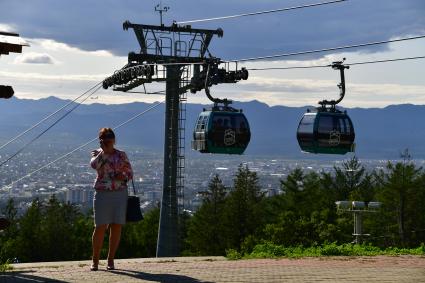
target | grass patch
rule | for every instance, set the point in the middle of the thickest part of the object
(270, 250)
(5, 267)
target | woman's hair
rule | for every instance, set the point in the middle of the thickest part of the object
(106, 133)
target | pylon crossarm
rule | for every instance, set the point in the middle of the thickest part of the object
(173, 28)
(168, 59)
(171, 42)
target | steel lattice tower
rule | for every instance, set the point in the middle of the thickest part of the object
(178, 56)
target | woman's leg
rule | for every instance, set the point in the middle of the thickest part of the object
(114, 241)
(97, 240)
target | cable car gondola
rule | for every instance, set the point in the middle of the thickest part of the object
(328, 130)
(222, 130)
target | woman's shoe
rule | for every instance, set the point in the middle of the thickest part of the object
(93, 267)
(110, 265)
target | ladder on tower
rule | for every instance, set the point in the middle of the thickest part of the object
(181, 161)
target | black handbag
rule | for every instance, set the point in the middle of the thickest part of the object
(134, 212)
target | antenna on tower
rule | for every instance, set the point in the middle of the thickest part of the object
(161, 9)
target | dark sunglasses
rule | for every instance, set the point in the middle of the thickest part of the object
(108, 136)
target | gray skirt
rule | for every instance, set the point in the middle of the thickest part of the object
(110, 207)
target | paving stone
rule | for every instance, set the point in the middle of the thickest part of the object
(218, 269)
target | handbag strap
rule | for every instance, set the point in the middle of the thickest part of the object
(134, 187)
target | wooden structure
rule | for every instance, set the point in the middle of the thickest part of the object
(10, 43)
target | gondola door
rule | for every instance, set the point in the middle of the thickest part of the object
(335, 134)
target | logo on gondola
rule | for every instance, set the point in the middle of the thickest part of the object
(229, 137)
(334, 138)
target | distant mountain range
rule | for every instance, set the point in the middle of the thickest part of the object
(380, 133)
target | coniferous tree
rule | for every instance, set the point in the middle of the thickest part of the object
(349, 179)
(81, 236)
(416, 202)
(206, 230)
(398, 190)
(30, 246)
(10, 212)
(58, 230)
(243, 218)
(139, 239)
(8, 236)
(308, 215)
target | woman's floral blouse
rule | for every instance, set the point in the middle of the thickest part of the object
(108, 167)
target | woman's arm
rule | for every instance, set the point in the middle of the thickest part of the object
(126, 169)
(97, 160)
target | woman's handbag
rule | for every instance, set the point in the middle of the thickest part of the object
(134, 212)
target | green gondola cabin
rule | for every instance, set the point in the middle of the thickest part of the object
(221, 131)
(326, 132)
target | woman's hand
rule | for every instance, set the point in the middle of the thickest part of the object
(95, 152)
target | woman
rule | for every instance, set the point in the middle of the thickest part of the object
(110, 199)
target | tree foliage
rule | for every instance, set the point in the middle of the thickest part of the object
(205, 232)
(57, 231)
(304, 214)
(239, 218)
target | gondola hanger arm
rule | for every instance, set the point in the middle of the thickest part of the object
(337, 65)
(216, 101)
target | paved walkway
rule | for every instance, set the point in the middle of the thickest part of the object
(218, 269)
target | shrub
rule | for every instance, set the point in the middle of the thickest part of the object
(5, 266)
(270, 250)
(233, 254)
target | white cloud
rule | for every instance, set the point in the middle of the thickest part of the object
(49, 44)
(323, 61)
(52, 78)
(367, 85)
(7, 28)
(34, 58)
(292, 85)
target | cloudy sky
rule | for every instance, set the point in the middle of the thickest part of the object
(75, 44)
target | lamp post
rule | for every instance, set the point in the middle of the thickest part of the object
(358, 208)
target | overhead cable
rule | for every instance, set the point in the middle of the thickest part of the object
(387, 60)
(346, 64)
(82, 146)
(47, 117)
(327, 49)
(261, 12)
(48, 128)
